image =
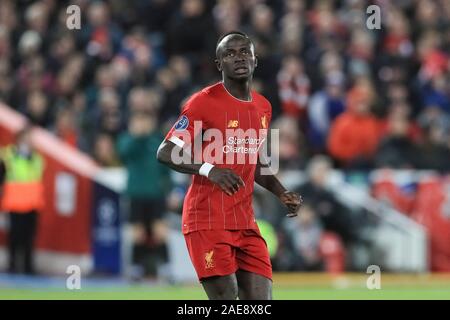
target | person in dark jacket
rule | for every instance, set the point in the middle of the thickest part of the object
(397, 149)
(333, 215)
(433, 153)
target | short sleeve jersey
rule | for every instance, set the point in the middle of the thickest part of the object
(220, 129)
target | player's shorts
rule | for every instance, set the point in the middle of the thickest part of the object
(145, 211)
(223, 252)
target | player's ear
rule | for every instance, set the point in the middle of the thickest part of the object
(256, 60)
(218, 65)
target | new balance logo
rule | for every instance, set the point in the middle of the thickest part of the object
(233, 124)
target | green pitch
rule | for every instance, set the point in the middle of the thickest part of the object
(186, 293)
(287, 286)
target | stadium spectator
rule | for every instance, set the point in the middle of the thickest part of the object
(291, 147)
(397, 42)
(303, 240)
(101, 36)
(397, 150)
(65, 127)
(109, 115)
(331, 63)
(9, 18)
(68, 78)
(83, 124)
(182, 70)
(294, 87)
(105, 152)
(38, 109)
(227, 15)
(332, 214)
(262, 26)
(140, 100)
(361, 52)
(436, 93)
(292, 27)
(137, 55)
(173, 92)
(354, 136)
(434, 114)
(105, 78)
(186, 33)
(24, 170)
(323, 107)
(61, 49)
(433, 152)
(155, 15)
(6, 82)
(397, 94)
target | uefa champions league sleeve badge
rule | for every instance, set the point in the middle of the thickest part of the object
(182, 124)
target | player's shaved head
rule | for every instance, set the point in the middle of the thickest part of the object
(235, 50)
(231, 36)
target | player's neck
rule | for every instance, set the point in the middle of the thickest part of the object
(239, 90)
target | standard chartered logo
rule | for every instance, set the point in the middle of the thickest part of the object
(239, 145)
(234, 146)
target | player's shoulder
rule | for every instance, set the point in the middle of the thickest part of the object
(203, 94)
(212, 91)
(261, 101)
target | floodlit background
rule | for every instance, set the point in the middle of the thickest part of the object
(364, 122)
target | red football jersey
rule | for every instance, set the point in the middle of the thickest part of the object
(217, 120)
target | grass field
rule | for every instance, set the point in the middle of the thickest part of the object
(286, 286)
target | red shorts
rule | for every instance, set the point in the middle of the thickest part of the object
(223, 252)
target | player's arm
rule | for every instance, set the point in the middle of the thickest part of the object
(270, 182)
(226, 179)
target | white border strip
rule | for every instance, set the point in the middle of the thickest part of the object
(54, 263)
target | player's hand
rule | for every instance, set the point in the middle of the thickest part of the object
(226, 179)
(292, 201)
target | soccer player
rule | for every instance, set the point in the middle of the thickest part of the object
(224, 243)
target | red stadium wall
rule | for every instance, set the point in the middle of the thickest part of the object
(66, 232)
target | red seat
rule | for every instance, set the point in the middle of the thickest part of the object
(385, 189)
(333, 252)
(432, 210)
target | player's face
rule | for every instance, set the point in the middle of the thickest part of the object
(237, 58)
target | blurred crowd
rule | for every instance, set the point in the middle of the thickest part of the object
(368, 98)
(364, 98)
